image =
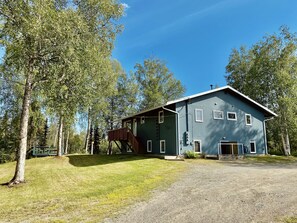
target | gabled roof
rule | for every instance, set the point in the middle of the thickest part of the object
(267, 112)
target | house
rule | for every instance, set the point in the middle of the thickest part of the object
(221, 121)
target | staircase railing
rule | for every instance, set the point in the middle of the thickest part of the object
(125, 134)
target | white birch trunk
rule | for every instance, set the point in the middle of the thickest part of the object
(19, 176)
(88, 132)
(67, 141)
(60, 137)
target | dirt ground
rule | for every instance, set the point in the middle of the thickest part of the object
(222, 191)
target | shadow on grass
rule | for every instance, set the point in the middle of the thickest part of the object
(95, 160)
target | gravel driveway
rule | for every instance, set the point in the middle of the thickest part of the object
(214, 191)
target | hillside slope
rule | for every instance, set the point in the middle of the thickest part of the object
(81, 188)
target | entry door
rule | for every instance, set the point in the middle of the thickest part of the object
(135, 127)
(229, 148)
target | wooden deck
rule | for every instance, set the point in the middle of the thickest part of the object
(124, 135)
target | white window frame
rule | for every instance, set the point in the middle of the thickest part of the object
(214, 111)
(254, 142)
(161, 141)
(142, 120)
(246, 115)
(161, 117)
(196, 116)
(231, 118)
(198, 140)
(149, 148)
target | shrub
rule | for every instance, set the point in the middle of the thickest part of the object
(294, 153)
(190, 154)
(6, 157)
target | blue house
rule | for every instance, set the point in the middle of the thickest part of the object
(221, 121)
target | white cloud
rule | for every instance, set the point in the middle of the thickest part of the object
(125, 5)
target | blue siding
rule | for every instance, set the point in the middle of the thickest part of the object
(211, 131)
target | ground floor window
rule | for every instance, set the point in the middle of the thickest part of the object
(162, 146)
(149, 146)
(197, 146)
(253, 146)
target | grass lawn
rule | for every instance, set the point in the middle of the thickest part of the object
(81, 188)
(272, 159)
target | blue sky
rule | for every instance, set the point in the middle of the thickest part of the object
(195, 37)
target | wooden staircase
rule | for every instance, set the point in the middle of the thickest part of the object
(126, 138)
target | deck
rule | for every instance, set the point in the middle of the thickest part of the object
(126, 137)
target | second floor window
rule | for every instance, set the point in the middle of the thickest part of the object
(218, 114)
(231, 116)
(248, 119)
(161, 116)
(199, 115)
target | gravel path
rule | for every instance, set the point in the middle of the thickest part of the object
(214, 191)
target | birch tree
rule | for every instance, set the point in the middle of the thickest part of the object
(267, 72)
(33, 33)
(157, 84)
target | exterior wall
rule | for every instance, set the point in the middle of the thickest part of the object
(152, 130)
(211, 131)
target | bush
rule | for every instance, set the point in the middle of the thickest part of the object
(294, 153)
(190, 154)
(4, 157)
(276, 152)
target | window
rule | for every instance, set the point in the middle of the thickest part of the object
(162, 146)
(218, 114)
(248, 119)
(197, 146)
(161, 116)
(231, 116)
(149, 145)
(199, 115)
(142, 120)
(253, 146)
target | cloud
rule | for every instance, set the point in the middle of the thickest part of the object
(125, 5)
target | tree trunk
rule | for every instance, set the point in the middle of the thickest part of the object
(88, 132)
(19, 176)
(56, 135)
(60, 137)
(288, 147)
(66, 143)
(109, 151)
(286, 143)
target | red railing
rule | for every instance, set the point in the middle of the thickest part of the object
(118, 134)
(125, 134)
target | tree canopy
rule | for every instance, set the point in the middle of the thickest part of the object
(157, 84)
(267, 72)
(55, 49)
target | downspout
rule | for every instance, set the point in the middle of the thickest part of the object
(177, 123)
(187, 116)
(265, 135)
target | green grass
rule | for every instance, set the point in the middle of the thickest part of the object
(272, 159)
(290, 220)
(81, 188)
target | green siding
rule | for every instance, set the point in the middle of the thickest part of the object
(152, 130)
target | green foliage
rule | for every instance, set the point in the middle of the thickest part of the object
(76, 143)
(157, 84)
(57, 54)
(267, 72)
(189, 154)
